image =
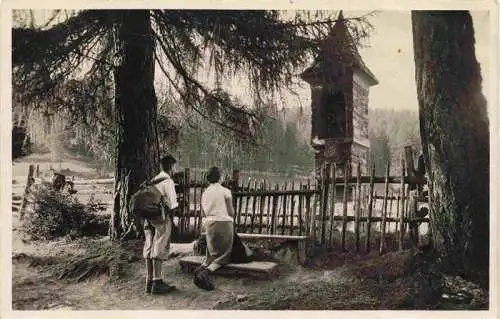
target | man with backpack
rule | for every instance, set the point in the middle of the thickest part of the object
(153, 203)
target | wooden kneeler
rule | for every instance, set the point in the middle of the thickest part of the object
(258, 269)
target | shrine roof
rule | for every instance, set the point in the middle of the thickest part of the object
(338, 52)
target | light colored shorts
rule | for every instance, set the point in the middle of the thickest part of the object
(158, 235)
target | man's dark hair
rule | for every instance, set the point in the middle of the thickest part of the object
(213, 175)
(167, 162)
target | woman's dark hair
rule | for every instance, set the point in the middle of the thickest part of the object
(167, 162)
(213, 175)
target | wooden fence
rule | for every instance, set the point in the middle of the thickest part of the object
(326, 210)
(260, 207)
(333, 211)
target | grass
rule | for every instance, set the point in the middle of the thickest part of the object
(308, 296)
(94, 258)
(345, 288)
(387, 282)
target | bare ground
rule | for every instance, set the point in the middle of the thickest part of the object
(355, 283)
(36, 283)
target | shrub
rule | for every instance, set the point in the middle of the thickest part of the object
(57, 214)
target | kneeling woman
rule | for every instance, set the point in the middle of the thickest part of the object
(217, 206)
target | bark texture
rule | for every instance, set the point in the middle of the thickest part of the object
(135, 101)
(455, 137)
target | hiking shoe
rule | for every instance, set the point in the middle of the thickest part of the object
(159, 287)
(202, 281)
(197, 270)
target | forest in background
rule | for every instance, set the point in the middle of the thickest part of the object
(282, 147)
(82, 120)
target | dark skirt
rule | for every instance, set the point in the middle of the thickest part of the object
(219, 242)
(239, 253)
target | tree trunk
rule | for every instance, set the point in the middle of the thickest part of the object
(137, 156)
(455, 137)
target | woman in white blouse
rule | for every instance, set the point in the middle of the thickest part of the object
(217, 207)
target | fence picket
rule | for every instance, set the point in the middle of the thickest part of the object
(274, 211)
(344, 214)
(370, 210)
(254, 207)
(324, 201)
(308, 211)
(358, 206)
(269, 210)
(283, 219)
(402, 212)
(247, 202)
(262, 206)
(299, 211)
(384, 211)
(333, 174)
(292, 209)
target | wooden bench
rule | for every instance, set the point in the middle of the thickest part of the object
(260, 269)
(299, 241)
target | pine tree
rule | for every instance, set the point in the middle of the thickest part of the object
(454, 128)
(127, 44)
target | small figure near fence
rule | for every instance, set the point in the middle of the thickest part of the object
(222, 243)
(61, 184)
(154, 203)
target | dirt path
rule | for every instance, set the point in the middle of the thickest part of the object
(37, 288)
(367, 283)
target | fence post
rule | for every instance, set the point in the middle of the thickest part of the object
(254, 206)
(358, 205)
(325, 176)
(262, 203)
(273, 213)
(315, 203)
(247, 203)
(301, 203)
(333, 175)
(27, 190)
(308, 210)
(283, 220)
(384, 209)
(402, 211)
(292, 208)
(269, 209)
(370, 210)
(344, 214)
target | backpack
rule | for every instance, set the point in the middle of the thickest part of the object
(148, 202)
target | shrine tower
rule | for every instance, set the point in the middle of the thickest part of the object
(340, 83)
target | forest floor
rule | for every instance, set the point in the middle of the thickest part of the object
(332, 281)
